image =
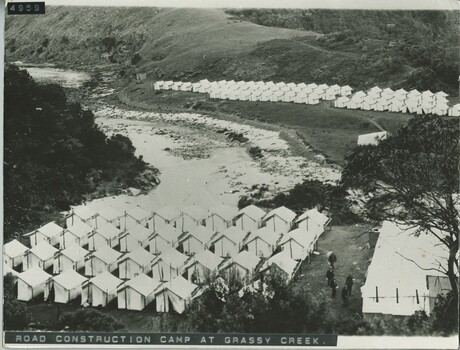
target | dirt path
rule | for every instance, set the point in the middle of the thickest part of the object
(349, 244)
(317, 48)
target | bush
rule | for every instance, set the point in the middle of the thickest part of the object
(15, 313)
(136, 59)
(91, 320)
(255, 152)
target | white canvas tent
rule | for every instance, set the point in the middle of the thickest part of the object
(372, 138)
(220, 217)
(32, 283)
(137, 236)
(134, 263)
(71, 258)
(341, 102)
(137, 216)
(13, 253)
(77, 234)
(249, 218)
(137, 293)
(396, 281)
(109, 215)
(176, 293)
(283, 262)
(100, 290)
(191, 216)
(81, 214)
(244, 263)
(228, 242)
(49, 233)
(262, 242)
(67, 286)
(312, 217)
(196, 240)
(280, 219)
(454, 111)
(202, 263)
(165, 215)
(168, 265)
(300, 243)
(346, 90)
(105, 234)
(163, 239)
(41, 255)
(104, 259)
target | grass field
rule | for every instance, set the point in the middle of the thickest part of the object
(328, 130)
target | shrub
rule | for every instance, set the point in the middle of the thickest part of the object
(91, 320)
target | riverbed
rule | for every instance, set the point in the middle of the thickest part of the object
(198, 163)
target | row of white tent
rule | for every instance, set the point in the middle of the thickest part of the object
(297, 244)
(400, 101)
(405, 274)
(259, 91)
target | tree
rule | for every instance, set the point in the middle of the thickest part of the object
(16, 314)
(412, 178)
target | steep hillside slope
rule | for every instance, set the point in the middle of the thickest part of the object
(208, 43)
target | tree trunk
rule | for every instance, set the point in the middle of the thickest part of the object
(451, 273)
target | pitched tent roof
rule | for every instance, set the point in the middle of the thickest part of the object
(14, 248)
(252, 211)
(108, 231)
(138, 213)
(69, 279)
(315, 216)
(265, 234)
(284, 213)
(302, 236)
(441, 94)
(43, 250)
(80, 229)
(106, 281)
(84, 212)
(168, 232)
(49, 230)
(172, 257)
(110, 213)
(139, 232)
(224, 211)
(168, 213)
(143, 284)
(372, 138)
(233, 233)
(107, 254)
(245, 259)
(140, 256)
(202, 233)
(207, 259)
(181, 287)
(195, 211)
(283, 261)
(75, 252)
(34, 276)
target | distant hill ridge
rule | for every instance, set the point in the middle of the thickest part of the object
(192, 44)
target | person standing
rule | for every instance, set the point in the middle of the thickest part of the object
(329, 276)
(349, 284)
(332, 259)
(334, 288)
(344, 295)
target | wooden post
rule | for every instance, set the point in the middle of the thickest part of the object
(397, 296)
(377, 294)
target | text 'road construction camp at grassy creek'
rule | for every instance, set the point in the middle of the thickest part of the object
(272, 172)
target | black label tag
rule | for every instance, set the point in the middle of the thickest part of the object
(26, 8)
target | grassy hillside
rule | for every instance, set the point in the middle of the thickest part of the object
(343, 47)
